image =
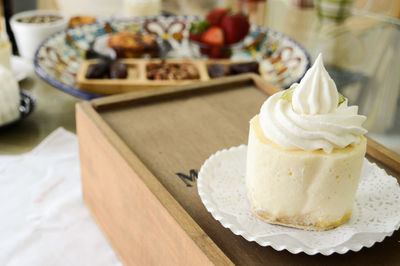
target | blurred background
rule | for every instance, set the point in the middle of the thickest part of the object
(360, 41)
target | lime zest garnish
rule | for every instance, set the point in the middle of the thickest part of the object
(341, 99)
(287, 94)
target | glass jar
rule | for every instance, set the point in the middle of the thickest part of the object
(137, 8)
(255, 9)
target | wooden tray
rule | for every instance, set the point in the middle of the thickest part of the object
(137, 78)
(139, 156)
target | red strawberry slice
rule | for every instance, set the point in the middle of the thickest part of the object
(196, 30)
(215, 16)
(236, 27)
(213, 36)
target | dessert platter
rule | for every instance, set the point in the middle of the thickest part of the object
(61, 57)
(302, 183)
(108, 77)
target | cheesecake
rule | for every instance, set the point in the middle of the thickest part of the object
(305, 153)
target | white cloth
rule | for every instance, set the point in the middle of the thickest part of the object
(43, 219)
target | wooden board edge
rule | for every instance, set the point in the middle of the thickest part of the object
(264, 85)
(167, 92)
(383, 154)
(80, 76)
(183, 219)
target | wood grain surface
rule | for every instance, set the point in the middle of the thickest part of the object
(141, 229)
(139, 155)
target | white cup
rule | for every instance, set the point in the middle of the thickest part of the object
(30, 35)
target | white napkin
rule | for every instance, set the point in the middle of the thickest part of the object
(43, 219)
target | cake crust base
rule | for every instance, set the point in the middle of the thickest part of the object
(299, 221)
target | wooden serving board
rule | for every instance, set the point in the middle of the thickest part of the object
(140, 153)
(137, 79)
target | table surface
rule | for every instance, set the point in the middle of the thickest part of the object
(53, 109)
(365, 64)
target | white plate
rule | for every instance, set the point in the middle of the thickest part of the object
(376, 213)
(21, 68)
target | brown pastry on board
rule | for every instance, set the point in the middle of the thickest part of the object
(80, 20)
(133, 45)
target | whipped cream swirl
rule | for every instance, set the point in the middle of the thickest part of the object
(313, 118)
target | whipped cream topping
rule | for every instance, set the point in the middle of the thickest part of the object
(316, 93)
(313, 118)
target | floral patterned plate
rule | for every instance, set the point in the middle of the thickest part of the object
(58, 58)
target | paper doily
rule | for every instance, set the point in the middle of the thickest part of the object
(376, 213)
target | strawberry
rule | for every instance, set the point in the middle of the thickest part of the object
(213, 36)
(195, 37)
(236, 27)
(196, 30)
(214, 17)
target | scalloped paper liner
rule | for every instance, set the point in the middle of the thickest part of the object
(355, 243)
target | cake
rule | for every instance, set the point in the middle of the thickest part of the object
(133, 45)
(9, 97)
(305, 154)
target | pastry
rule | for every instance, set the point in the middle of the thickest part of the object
(9, 97)
(133, 45)
(76, 21)
(305, 153)
(171, 71)
(106, 68)
(220, 70)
